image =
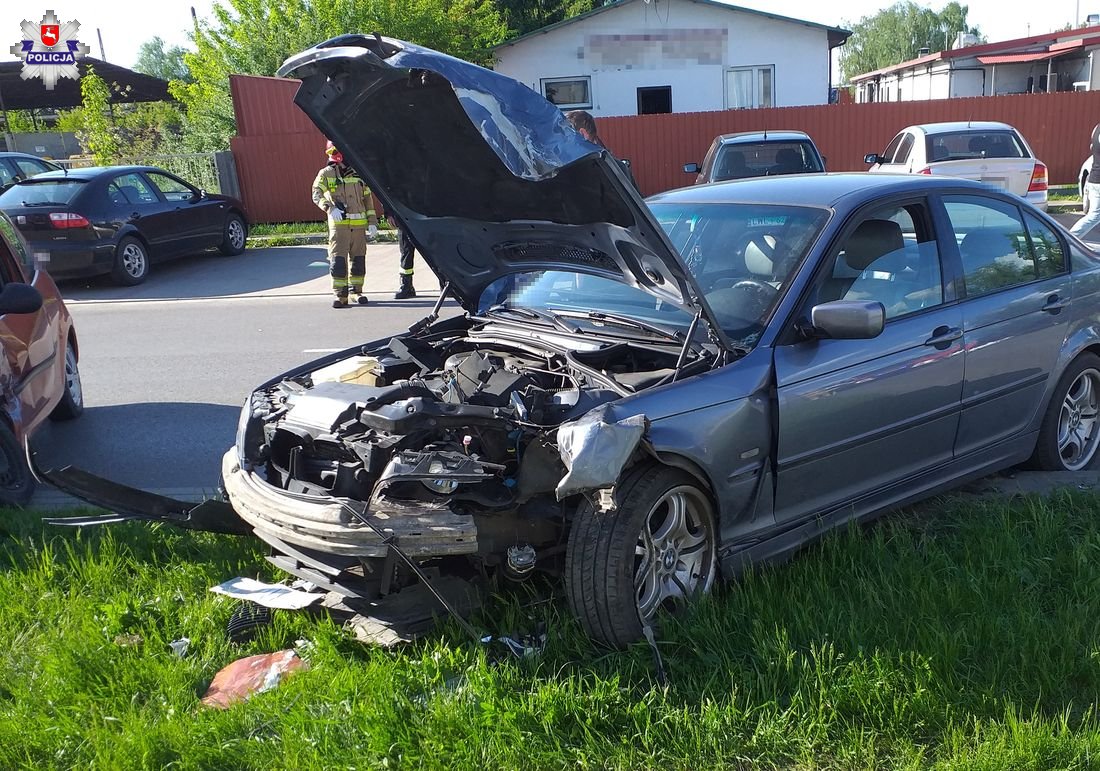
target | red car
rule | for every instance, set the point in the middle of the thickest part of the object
(39, 375)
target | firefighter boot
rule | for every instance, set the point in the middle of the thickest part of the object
(406, 291)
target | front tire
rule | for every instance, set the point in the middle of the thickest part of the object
(1070, 432)
(131, 262)
(72, 399)
(16, 482)
(656, 551)
(234, 237)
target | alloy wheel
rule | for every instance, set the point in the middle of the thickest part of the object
(133, 260)
(72, 378)
(236, 233)
(675, 556)
(1078, 426)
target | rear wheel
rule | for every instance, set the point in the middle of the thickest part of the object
(1070, 432)
(72, 400)
(131, 262)
(16, 482)
(655, 552)
(235, 235)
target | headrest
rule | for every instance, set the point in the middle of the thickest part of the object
(871, 240)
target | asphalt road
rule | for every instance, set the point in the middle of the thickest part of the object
(167, 365)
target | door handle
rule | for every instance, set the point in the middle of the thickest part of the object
(1054, 304)
(942, 337)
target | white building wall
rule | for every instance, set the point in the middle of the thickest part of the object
(800, 55)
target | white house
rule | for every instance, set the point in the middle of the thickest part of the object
(1056, 61)
(634, 57)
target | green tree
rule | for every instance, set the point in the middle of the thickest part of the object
(20, 121)
(160, 62)
(896, 34)
(254, 37)
(98, 135)
(523, 16)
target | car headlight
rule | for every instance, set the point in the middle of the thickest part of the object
(242, 429)
(441, 486)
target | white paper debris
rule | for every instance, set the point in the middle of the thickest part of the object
(268, 595)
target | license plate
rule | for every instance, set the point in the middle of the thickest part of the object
(998, 182)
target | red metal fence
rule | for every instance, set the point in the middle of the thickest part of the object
(1057, 126)
(278, 150)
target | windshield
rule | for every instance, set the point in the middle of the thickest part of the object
(743, 256)
(41, 191)
(760, 159)
(970, 145)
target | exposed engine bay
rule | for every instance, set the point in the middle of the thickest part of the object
(463, 421)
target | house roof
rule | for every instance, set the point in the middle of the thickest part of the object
(1054, 43)
(19, 94)
(837, 35)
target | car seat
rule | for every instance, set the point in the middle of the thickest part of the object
(979, 144)
(788, 161)
(870, 241)
(731, 166)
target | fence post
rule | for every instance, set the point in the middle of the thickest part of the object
(227, 173)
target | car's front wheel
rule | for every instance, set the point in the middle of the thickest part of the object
(72, 399)
(16, 482)
(655, 551)
(235, 236)
(1070, 432)
(131, 262)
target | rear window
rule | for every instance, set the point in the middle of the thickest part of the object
(41, 191)
(737, 161)
(968, 145)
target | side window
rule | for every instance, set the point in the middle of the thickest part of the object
(7, 176)
(891, 257)
(28, 167)
(1050, 256)
(172, 188)
(904, 148)
(12, 251)
(892, 148)
(135, 189)
(993, 244)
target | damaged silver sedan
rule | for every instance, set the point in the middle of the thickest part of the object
(640, 398)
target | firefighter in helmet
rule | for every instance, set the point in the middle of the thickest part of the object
(345, 198)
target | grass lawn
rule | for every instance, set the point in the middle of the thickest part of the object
(963, 636)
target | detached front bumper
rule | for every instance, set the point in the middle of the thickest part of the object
(329, 525)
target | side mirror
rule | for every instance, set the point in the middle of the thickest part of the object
(848, 319)
(199, 195)
(691, 168)
(19, 298)
(873, 158)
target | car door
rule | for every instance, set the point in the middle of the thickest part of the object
(1017, 288)
(192, 219)
(895, 159)
(32, 364)
(137, 202)
(859, 416)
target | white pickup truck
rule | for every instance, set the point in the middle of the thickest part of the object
(990, 152)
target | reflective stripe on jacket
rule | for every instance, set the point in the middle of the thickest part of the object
(348, 191)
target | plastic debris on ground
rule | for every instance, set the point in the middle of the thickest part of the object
(248, 676)
(269, 595)
(180, 646)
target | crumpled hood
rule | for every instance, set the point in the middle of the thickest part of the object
(488, 177)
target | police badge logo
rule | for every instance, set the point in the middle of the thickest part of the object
(50, 50)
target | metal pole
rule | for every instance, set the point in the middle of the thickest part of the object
(99, 34)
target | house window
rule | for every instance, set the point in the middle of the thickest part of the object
(654, 100)
(569, 93)
(748, 87)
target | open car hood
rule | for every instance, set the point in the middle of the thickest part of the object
(488, 177)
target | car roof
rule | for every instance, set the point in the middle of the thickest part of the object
(86, 173)
(961, 126)
(823, 190)
(15, 154)
(763, 136)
